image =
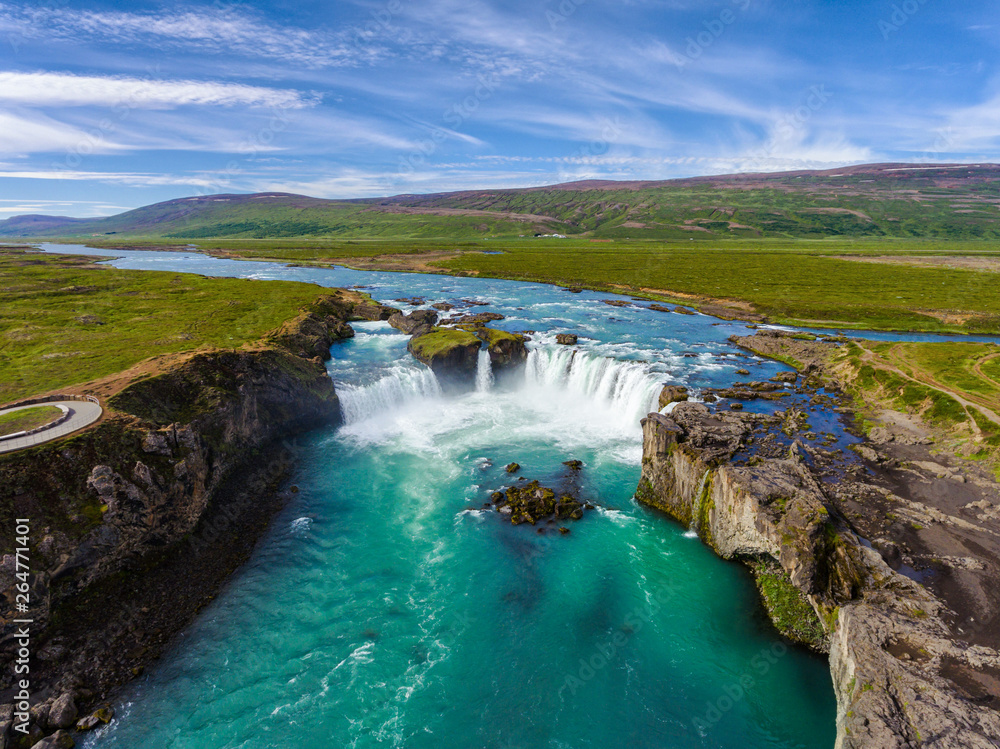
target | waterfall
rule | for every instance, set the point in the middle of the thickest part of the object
(484, 372)
(403, 385)
(629, 388)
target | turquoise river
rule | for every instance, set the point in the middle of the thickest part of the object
(386, 608)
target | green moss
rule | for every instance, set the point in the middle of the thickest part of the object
(706, 503)
(440, 341)
(787, 606)
(492, 336)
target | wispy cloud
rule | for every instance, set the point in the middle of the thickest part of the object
(63, 89)
(221, 30)
(123, 178)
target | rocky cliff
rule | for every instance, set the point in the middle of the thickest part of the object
(888, 641)
(136, 522)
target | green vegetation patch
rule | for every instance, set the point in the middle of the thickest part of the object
(492, 336)
(65, 321)
(440, 341)
(28, 418)
(801, 285)
(787, 606)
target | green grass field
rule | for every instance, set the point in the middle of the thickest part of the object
(796, 281)
(64, 321)
(804, 286)
(28, 418)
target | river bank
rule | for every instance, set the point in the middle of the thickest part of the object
(447, 454)
(894, 549)
(161, 501)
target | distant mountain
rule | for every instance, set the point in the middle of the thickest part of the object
(33, 225)
(952, 201)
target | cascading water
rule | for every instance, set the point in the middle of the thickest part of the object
(404, 384)
(627, 388)
(387, 608)
(484, 372)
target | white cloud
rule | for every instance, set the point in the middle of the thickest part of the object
(35, 134)
(63, 89)
(214, 31)
(118, 178)
(972, 127)
(79, 208)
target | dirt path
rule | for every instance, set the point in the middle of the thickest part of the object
(966, 400)
(978, 368)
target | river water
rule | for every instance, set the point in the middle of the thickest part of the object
(386, 608)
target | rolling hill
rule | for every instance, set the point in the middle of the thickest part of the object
(948, 201)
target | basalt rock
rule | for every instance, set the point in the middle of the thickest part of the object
(416, 323)
(533, 502)
(507, 350)
(566, 339)
(775, 512)
(478, 317)
(672, 394)
(325, 321)
(452, 355)
(143, 516)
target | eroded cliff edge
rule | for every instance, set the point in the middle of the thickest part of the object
(887, 636)
(136, 522)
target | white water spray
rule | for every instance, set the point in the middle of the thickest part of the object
(484, 372)
(403, 385)
(626, 387)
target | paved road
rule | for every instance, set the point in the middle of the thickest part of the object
(82, 413)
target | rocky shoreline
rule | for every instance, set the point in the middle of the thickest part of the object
(161, 501)
(908, 667)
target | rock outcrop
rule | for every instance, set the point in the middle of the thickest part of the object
(507, 350)
(452, 355)
(887, 638)
(418, 322)
(672, 394)
(136, 522)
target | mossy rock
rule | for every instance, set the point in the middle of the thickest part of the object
(787, 607)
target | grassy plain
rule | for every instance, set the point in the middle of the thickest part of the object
(802, 282)
(65, 321)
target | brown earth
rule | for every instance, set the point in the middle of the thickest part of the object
(933, 515)
(963, 262)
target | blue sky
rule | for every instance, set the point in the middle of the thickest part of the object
(109, 106)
